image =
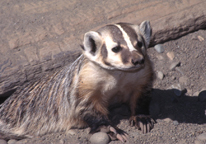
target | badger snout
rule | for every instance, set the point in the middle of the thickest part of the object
(137, 58)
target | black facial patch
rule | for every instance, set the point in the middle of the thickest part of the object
(125, 55)
(104, 52)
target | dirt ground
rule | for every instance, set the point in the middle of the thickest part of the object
(179, 111)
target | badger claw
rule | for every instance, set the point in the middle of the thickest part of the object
(115, 133)
(142, 122)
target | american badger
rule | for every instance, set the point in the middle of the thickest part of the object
(114, 68)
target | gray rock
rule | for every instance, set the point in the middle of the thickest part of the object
(178, 89)
(183, 80)
(174, 65)
(159, 48)
(202, 96)
(12, 141)
(175, 123)
(202, 136)
(167, 120)
(160, 75)
(177, 92)
(2, 141)
(99, 138)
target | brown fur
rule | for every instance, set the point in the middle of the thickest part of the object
(78, 95)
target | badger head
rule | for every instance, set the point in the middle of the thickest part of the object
(120, 46)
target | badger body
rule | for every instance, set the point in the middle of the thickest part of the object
(113, 69)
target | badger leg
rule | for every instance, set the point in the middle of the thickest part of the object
(99, 122)
(140, 118)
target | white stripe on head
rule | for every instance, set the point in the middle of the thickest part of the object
(126, 38)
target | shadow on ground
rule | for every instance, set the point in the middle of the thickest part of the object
(165, 104)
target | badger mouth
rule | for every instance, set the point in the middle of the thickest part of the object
(132, 68)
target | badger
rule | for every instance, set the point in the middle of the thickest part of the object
(113, 68)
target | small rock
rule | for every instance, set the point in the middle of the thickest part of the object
(99, 138)
(202, 96)
(71, 132)
(12, 141)
(159, 48)
(200, 38)
(178, 89)
(160, 75)
(202, 137)
(175, 123)
(183, 80)
(196, 93)
(179, 70)
(2, 141)
(173, 65)
(167, 120)
(173, 77)
(177, 92)
(171, 55)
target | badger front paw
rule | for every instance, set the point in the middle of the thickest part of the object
(142, 122)
(114, 133)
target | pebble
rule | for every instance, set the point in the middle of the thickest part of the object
(12, 141)
(99, 138)
(178, 89)
(159, 48)
(200, 38)
(2, 141)
(171, 55)
(175, 123)
(183, 80)
(202, 136)
(202, 96)
(174, 65)
(160, 75)
(167, 120)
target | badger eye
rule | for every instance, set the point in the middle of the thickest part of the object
(139, 44)
(116, 49)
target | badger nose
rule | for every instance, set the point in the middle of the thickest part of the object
(138, 61)
(137, 58)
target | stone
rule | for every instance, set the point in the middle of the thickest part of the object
(167, 120)
(202, 136)
(99, 138)
(183, 80)
(12, 141)
(160, 75)
(200, 38)
(175, 123)
(174, 65)
(171, 55)
(2, 141)
(159, 48)
(202, 96)
(178, 89)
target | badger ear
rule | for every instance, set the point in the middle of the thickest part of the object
(146, 31)
(92, 42)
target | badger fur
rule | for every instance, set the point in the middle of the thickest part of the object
(114, 68)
